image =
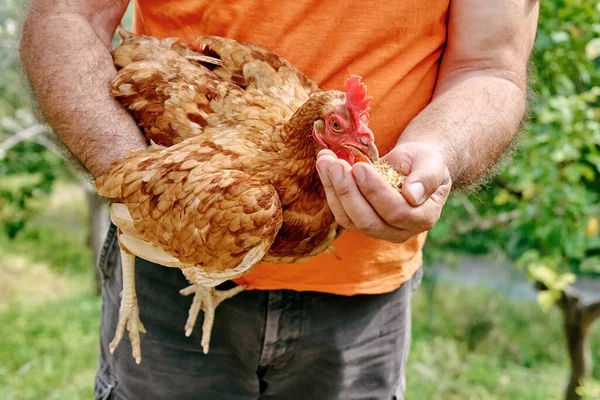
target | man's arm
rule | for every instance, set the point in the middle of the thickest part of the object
(475, 113)
(65, 52)
(481, 94)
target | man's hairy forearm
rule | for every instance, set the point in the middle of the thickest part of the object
(70, 68)
(481, 94)
(473, 118)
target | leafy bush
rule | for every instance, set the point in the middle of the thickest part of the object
(550, 190)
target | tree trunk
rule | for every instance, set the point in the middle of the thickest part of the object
(576, 331)
(99, 221)
(578, 317)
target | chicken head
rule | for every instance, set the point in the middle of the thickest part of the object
(344, 128)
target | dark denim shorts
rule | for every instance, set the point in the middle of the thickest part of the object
(278, 344)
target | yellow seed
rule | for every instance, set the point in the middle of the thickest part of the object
(389, 174)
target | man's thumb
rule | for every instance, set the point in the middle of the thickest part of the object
(426, 176)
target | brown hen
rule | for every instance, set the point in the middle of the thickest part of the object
(230, 178)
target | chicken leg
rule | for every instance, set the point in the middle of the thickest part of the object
(206, 299)
(129, 316)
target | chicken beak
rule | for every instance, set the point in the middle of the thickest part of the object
(366, 145)
(367, 152)
(371, 152)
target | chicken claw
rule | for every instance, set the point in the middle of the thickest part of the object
(206, 299)
(129, 316)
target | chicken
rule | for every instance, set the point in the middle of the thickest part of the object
(230, 178)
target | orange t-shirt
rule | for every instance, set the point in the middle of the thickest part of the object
(396, 46)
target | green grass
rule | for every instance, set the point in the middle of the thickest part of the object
(473, 344)
(468, 344)
(49, 315)
(57, 236)
(49, 351)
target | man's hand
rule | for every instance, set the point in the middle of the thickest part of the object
(362, 201)
(455, 141)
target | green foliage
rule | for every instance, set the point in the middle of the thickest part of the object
(589, 390)
(475, 344)
(49, 313)
(49, 351)
(554, 178)
(27, 169)
(553, 282)
(58, 234)
(566, 28)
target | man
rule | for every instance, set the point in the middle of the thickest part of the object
(449, 87)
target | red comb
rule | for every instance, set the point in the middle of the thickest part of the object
(356, 93)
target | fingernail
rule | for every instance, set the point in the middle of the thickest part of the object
(336, 171)
(418, 190)
(359, 173)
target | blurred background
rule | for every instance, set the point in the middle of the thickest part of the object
(512, 274)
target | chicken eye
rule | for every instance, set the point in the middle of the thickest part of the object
(336, 126)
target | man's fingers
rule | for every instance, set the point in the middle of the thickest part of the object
(323, 163)
(428, 172)
(326, 152)
(360, 212)
(348, 205)
(384, 199)
(361, 200)
(390, 205)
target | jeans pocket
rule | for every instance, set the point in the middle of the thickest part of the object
(107, 260)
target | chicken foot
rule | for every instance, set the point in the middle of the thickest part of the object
(129, 316)
(206, 299)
